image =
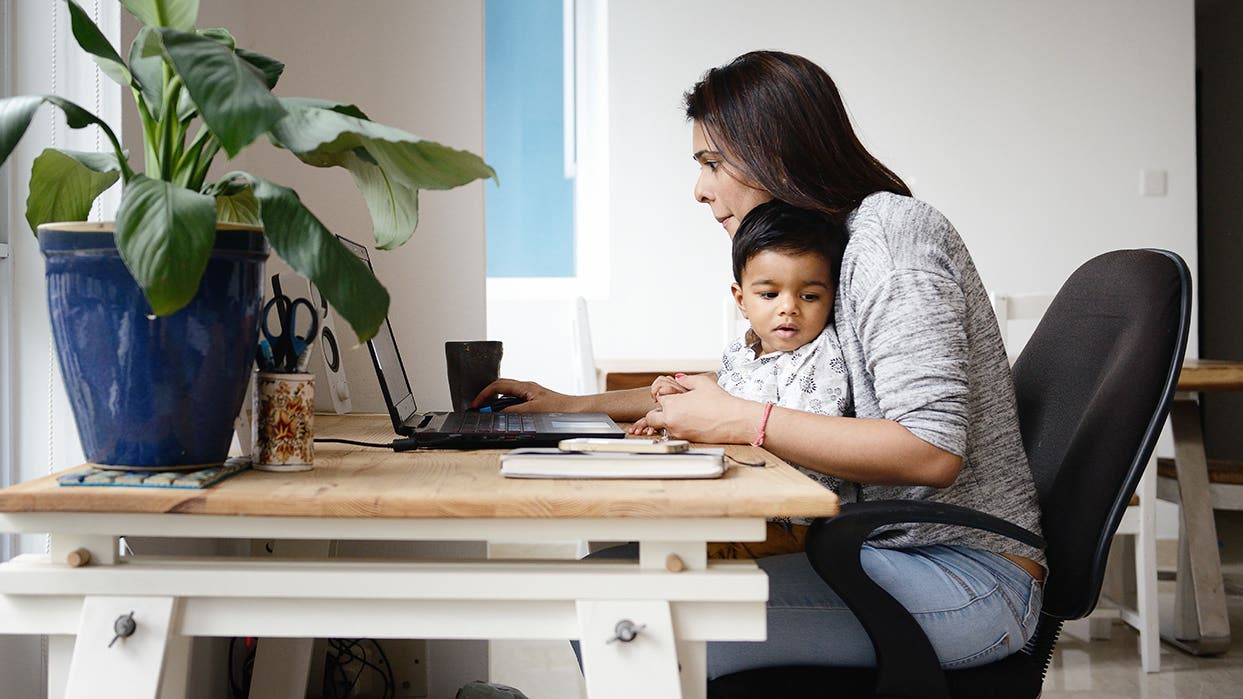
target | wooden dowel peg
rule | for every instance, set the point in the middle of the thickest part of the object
(78, 558)
(674, 564)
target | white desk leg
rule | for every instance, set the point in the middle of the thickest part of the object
(131, 667)
(693, 664)
(282, 666)
(1200, 624)
(175, 681)
(59, 657)
(646, 666)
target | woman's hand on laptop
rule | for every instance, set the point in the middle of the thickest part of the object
(537, 398)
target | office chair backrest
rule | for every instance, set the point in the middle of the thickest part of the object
(1094, 385)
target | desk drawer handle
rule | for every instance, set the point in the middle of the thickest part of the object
(125, 626)
(626, 630)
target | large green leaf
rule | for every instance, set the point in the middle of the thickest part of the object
(394, 207)
(312, 129)
(16, 113)
(219, 35)
(165, 234)
(146, 60)
(93, 41)
(174, 14)
(64, 185)
(241, 207)
(15, 116)
(389, 165)
(315, 253)
(269, 68)
(232, 98)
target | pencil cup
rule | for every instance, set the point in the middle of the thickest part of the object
(472, 366)
(284, 419)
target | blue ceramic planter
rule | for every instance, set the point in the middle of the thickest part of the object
(147, 392)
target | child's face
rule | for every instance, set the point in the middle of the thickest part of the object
(787, 297)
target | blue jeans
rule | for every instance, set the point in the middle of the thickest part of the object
(975, 607)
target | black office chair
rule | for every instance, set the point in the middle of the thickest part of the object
(1094, 386)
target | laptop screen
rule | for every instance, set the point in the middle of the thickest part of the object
(383, 348)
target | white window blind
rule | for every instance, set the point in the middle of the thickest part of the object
(37, 430)
(6, 349)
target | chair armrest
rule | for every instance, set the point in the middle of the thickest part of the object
(906, 665)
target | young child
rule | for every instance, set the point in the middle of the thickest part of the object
(786, 264)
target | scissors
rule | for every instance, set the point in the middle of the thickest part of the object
(282, 349)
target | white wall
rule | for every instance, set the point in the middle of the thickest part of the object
(415, 66)
(1025, 123)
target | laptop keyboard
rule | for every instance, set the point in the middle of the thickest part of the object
(489, 423)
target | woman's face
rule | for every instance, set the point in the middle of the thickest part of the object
(722, 187)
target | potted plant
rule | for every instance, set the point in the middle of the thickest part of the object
(155, 317)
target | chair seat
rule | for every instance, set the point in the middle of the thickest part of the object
(1223, 471)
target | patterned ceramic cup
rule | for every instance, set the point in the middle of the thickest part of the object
(283, 417)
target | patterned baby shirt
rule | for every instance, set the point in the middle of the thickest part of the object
(811, 378)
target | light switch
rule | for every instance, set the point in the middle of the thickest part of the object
(1152, 183)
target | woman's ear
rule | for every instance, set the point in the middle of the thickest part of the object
(737, 291)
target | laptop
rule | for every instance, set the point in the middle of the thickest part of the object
(467, 430)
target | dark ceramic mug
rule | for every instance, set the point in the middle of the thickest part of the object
(472, 366)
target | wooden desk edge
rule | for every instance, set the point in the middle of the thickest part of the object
(352, 483)
(1211, 375)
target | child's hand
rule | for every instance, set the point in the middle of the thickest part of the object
(667, 385)
(641, 427)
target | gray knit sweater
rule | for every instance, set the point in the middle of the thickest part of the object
(922, 348)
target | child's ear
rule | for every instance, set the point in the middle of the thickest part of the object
(737, 291)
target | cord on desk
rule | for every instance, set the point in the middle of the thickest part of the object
(332, 440)
(740, 462)
(403, 444)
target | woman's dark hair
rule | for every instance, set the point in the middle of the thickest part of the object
(778, 119)
(780, 227)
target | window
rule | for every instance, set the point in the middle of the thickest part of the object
(547, 136)
(529, 112)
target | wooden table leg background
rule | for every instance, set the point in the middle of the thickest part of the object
(1200, 624)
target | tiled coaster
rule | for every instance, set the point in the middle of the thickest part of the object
(201, 478)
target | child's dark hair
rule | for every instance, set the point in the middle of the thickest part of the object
(776, 225)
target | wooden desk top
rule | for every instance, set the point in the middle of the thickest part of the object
(1211, 375)
(356, 482)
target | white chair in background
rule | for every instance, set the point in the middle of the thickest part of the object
(582, 354)
(1017, 316)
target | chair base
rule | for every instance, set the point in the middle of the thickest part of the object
(1015, 677)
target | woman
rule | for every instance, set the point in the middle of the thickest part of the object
(935, 415)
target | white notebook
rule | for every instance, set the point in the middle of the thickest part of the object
(554, 463)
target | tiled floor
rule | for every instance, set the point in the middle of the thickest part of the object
(1110, 668)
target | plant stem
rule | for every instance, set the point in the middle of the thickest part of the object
(188, 163)
(168, 123)
(148, 132)
(208, 153)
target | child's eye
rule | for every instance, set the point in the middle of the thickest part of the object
(711, 165)
(811, 297)
(768, 294)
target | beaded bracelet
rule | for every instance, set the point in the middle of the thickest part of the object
(759, 438)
